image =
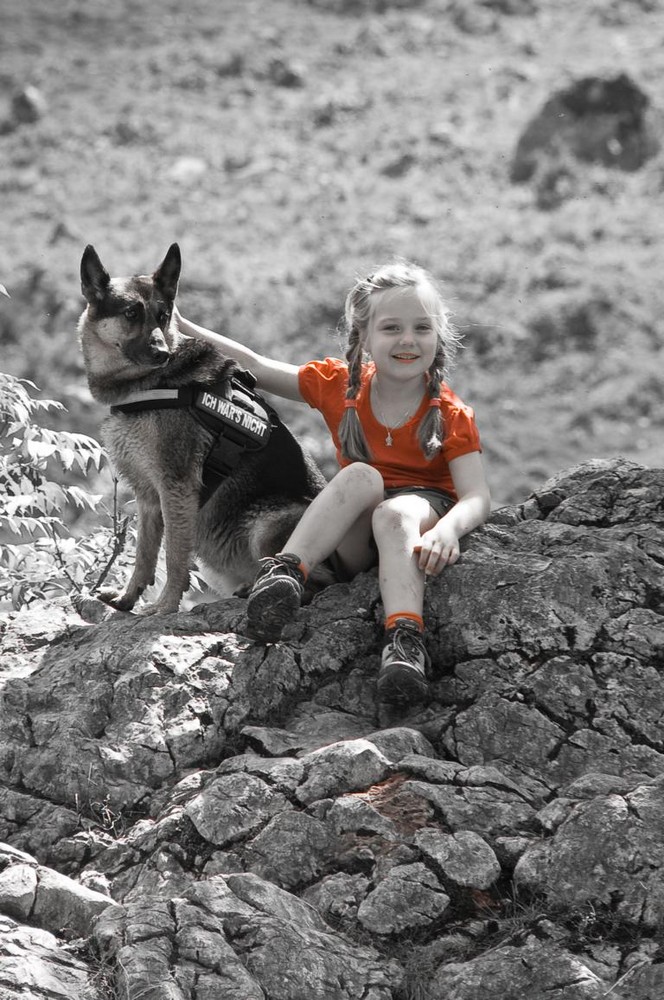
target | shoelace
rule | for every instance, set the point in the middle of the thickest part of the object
(405, 641)
(271, 566)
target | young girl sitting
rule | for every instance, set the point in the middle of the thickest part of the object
(411, 482)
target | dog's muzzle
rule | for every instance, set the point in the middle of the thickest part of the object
(152, 351)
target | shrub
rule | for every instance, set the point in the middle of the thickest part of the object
(40, 555)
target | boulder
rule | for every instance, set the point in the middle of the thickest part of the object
(28, 105)
(189, 814)
(595, 119)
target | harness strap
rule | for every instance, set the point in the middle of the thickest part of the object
(155, 399)
(239, 419)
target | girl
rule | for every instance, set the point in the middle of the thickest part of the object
(411, 482)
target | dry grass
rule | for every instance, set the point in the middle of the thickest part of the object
(393, 135)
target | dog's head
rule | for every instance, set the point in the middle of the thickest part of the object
(131, 317)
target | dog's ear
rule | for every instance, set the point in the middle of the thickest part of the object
(95, 279)
(167, 275)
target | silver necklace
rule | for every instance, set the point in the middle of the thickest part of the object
(389, 440)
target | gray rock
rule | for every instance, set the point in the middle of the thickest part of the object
(340, 768)
(28, 105)
(281, 773)
(285, 73)
(398, 743)
(288, 948)
(596, 119)
(292, 850)
(46, 898)
(463, 858)
(409, 897)
(484, 810)
(18, 888)
(354, 814)
(242, 805)
(535, 970)
(596, 849)
(35, 966)
(233, 806)
(64, 906)
(337, 898)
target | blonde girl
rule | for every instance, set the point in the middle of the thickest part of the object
(411, 480)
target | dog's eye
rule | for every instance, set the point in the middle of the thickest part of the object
(162, 317)
(131, 313)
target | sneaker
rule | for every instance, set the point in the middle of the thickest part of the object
(402, 675)
(275, 596)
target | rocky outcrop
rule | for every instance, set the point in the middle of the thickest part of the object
(594, 119)
(187, 814)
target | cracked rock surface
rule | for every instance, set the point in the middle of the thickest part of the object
(186, 814)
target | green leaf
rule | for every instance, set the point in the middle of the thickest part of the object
(38, 450)
(81, 498)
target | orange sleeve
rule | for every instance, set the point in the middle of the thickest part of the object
(318, 380)
(461, 433)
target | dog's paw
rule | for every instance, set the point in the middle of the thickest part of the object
(121, 602)
(91, 609)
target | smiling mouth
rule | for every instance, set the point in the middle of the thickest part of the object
(405, 357)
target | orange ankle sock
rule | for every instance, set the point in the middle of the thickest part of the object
(392, 620)
(292, 558)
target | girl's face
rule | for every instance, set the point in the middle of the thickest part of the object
(402, 334)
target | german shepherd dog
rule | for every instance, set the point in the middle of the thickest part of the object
(130, 343)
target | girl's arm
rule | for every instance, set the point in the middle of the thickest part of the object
(278, 377)
(439, 546)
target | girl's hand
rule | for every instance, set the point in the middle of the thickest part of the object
(438, 548)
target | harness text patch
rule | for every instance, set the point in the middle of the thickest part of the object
(254, 424)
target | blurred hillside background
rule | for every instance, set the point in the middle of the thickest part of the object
(288, 145)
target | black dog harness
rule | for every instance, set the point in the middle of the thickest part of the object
(238, 418)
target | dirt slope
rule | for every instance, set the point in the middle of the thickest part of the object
(288, 145)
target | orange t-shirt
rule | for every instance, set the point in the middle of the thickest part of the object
(323, 386)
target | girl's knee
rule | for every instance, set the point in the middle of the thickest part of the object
(391, 515)
(365, 478)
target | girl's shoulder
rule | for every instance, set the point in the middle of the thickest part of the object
(334, 370)
(328, 367)
(323, 382)
(451, 401)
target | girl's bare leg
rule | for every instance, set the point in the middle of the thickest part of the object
(398, 524)
(339, 518)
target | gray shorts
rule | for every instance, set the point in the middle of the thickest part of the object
(439, 499)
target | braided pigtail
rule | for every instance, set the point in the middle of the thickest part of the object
(431, 431)
(351, 433)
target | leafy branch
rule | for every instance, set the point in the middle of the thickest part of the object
(40, 555)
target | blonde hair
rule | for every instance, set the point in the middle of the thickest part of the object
(359, 307)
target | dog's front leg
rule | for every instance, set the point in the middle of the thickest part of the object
(179, 506)
(149, 531)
